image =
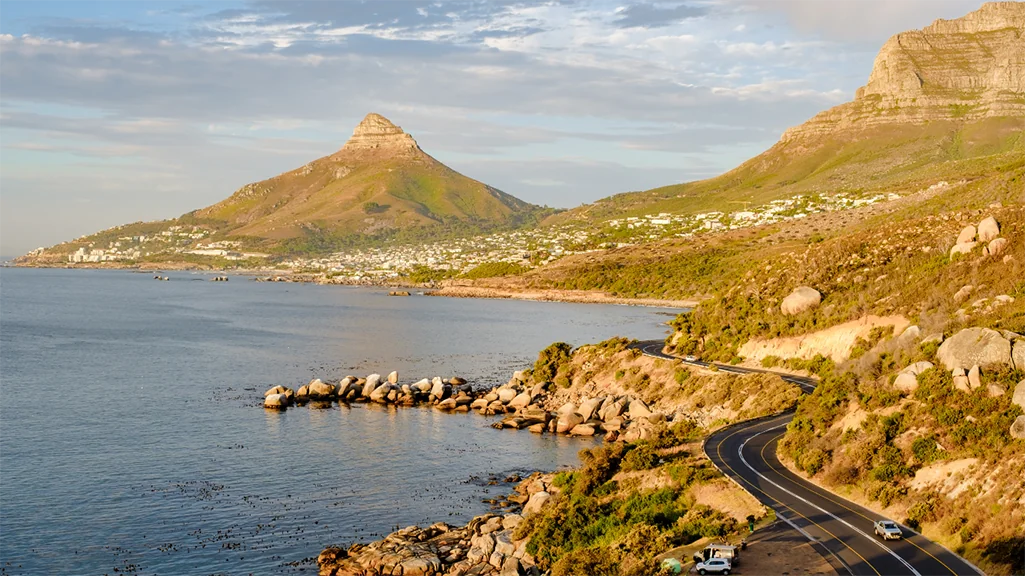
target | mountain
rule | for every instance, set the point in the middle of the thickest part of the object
(380, 179)
(380, 184)
(943, 103)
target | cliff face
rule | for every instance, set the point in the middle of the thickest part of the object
(972, 67)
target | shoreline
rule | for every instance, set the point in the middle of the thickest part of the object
(450, 291)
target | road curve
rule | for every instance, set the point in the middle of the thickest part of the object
(746, 452)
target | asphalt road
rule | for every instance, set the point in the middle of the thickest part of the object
(746, 452)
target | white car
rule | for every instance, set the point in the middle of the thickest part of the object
(690, 358)
(714, 566)
(888, 530)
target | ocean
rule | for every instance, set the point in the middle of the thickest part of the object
(132, 439)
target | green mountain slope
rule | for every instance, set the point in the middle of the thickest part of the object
(943, 103)
(379, 185)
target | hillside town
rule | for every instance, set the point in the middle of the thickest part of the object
(524, 247)
(543, 245)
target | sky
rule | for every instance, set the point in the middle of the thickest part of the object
(116, 112)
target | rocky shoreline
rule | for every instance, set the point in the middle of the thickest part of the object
(525, 404)
(487, 544)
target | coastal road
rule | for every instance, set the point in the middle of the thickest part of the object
(746, 452)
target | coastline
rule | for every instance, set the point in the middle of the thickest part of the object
(450, 291)
(552, 295)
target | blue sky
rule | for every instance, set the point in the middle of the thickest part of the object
(114, 112)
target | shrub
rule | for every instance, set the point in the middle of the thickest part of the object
(550, 360)
(586, 562)
(924, 449)
(771, 361)
(640, 458)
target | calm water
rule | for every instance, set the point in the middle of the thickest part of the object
(131, 436)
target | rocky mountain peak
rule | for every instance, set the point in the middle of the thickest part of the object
(967, 68)
(376, 132)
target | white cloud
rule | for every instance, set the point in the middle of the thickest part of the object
(861, 20)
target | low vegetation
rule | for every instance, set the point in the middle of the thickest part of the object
(624, 506)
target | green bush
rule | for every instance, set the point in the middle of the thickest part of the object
(641, 457)
(550, 360)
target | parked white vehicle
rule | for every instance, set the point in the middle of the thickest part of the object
(714, 566)
(888, 530)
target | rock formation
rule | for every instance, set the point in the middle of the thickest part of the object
(377, 133)
(801, 299)
(924, 75)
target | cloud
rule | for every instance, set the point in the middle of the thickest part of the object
(655, 16)
(562, 102)
(869, 21)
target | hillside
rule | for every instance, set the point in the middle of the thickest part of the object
(379, 179)
(380, 184)
(943, 103)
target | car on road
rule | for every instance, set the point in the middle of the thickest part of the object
(888, 530)
(713, 566)
(690, 358)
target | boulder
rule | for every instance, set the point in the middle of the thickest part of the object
(967, 235)
(520, 376)
(276, 401)
(613, 411)
(276, 390)
(447, 404)
(568, 408)
(439, 389)
(511, 521)
(582, 430)
(479, 404)
(538, 499)
(918, 367)
(961, 383)
(638, 409)
(963, 293)
(906, 382)
(1018, 354)
(374, 379)
(974, 378)
(962, 248)
(994, 391)
(567, 422)
(909, 336)
(302, 393)
(423, 385)
(801, 299)
(322, 390)
(539, 388)
(589, 407)
(520, 401)
(511, 567)
(506, 395)
(393, 377)
(983, 347)
(380, 394)
(1019, 395)
(996, 246)
(936, 337)
(1018, 428)
(368, 388)
(503, 541)
(988, 229)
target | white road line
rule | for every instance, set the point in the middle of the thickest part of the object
(740, 452)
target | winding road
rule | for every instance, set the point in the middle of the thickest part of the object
(841, 530)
